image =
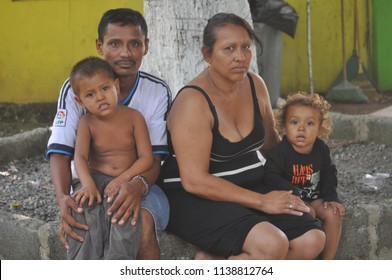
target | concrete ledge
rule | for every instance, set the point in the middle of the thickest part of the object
(365, 232)
(363, 127)
(25, 238)
(365, 235)
(23, 145)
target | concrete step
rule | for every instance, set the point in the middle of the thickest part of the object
(365, 235)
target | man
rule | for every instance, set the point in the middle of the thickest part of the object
(123, 42)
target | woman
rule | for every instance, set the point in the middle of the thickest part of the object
(220, 126)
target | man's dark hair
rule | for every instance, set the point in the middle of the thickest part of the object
(122, 17)
(89, 67)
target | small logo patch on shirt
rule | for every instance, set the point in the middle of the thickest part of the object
(61, 117)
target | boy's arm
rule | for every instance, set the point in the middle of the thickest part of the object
(89, 190)
(144, 159)
(125, 184)
(132, 191)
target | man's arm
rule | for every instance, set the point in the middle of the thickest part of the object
(129, 195)
(60, 152)
(60, 169)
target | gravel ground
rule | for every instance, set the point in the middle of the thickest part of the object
(25, 186)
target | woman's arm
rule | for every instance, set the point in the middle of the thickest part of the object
(271, 134)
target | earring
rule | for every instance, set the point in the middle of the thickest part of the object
(209, 65)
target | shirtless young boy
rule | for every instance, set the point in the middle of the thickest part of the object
(112, 146)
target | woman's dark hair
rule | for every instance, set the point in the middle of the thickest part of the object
(122, 16)
(222, 19)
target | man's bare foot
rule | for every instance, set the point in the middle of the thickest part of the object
(203, 255)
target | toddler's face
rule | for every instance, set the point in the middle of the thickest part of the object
(302, 127)
(98, 94)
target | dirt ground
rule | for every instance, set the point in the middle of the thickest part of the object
(19, 118)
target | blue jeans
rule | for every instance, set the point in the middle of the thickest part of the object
(158, 205)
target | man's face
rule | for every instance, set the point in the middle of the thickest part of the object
(123, 47)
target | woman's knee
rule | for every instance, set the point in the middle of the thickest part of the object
(277, 247)
(309, 245)
(266, 241)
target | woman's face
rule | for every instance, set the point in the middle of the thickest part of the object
(231, 54)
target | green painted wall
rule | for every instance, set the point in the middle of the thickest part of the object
(382, 14)
(326, 44)
(42, 39)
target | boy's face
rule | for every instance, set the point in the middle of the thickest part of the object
(98, 94)
(302, 127)
(123, 47)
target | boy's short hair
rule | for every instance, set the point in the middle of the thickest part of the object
(315, 101)
(89, 67)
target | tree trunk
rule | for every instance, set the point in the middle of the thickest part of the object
(176, 34)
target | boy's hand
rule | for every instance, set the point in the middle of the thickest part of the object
(87, 193)
(336, 207)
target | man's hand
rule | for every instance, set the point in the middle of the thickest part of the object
(125, 198)
(114, 186)
(67, 222)
(60, 170)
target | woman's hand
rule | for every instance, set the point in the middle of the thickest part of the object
(283, 202)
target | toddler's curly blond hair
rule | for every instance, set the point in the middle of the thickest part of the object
(315, 101)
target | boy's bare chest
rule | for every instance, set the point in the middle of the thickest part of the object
(108, 139)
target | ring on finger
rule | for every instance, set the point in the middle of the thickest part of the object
(291, 206)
